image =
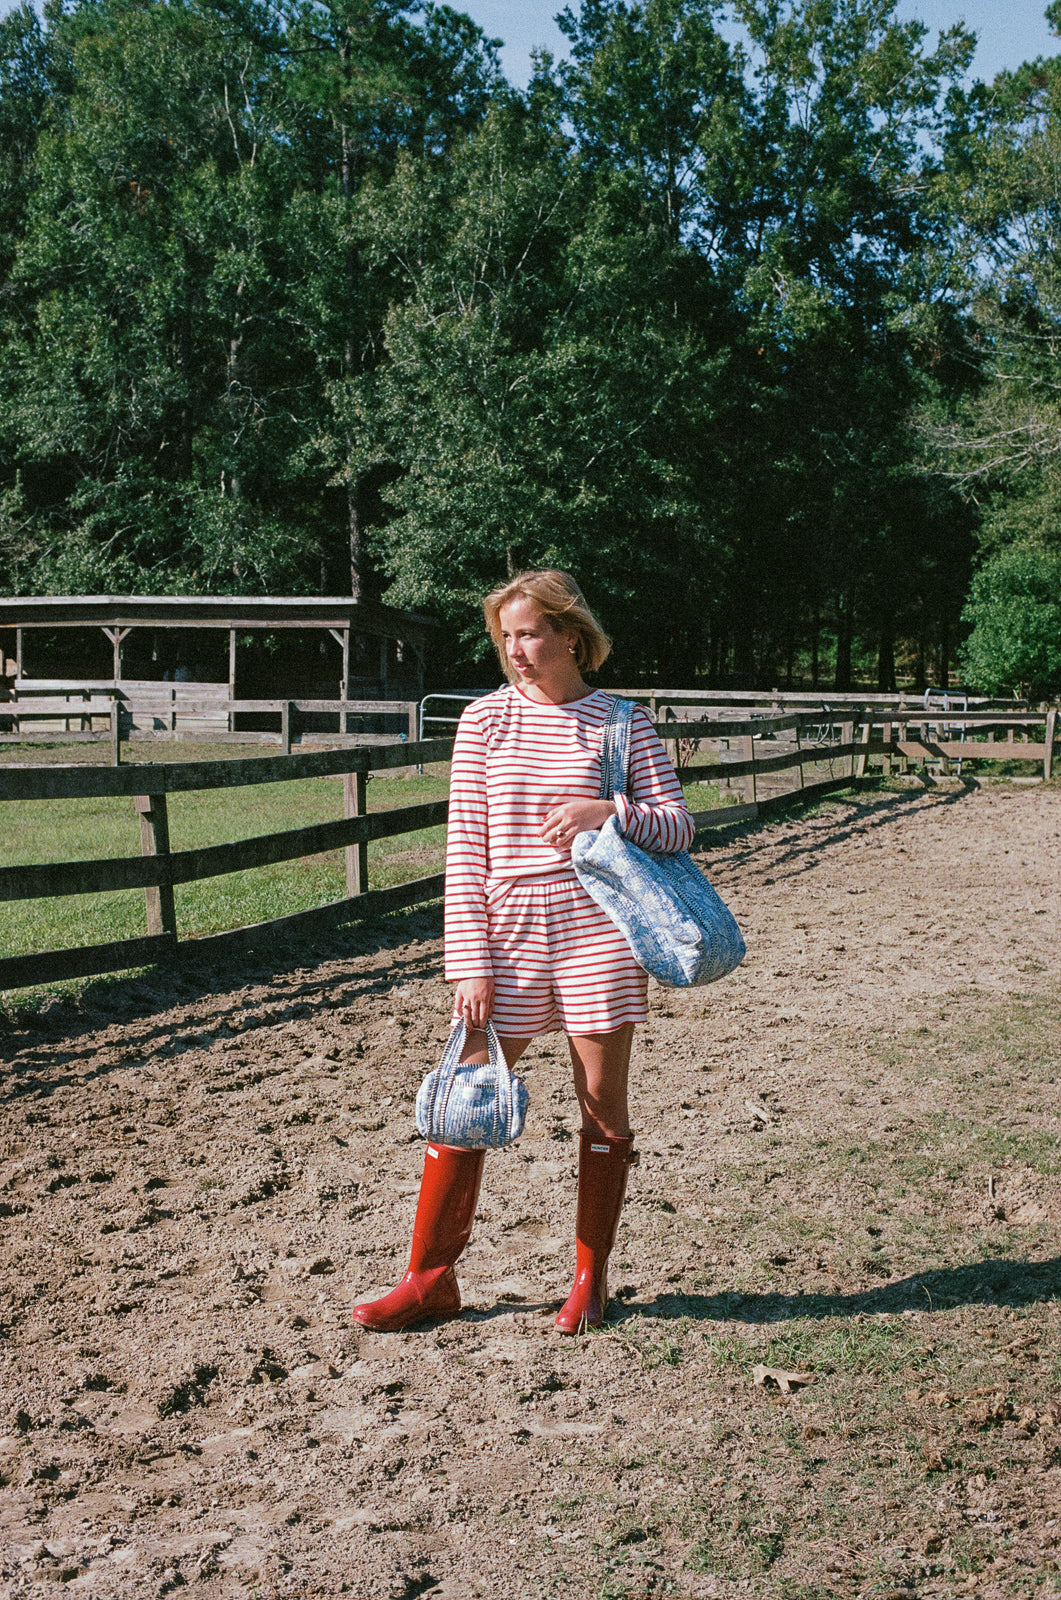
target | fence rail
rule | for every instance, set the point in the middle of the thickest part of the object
(105, 714)
(753, 751)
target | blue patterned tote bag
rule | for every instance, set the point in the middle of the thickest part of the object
(679, 929)
(479, 1105)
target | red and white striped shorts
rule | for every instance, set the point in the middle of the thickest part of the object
(559, 962)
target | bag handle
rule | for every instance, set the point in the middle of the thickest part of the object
(615, 749)
(450, 1065)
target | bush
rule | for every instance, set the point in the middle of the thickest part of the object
(1014, 606)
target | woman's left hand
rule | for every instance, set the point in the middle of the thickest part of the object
(567, 817)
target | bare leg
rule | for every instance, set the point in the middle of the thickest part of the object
(601, 1063)
(477, 1050)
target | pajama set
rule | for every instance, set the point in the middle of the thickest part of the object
(514, 909)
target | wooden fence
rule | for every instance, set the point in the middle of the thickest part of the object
(157, 712)
(775, 760)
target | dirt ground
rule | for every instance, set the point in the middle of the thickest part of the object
(200, 1172)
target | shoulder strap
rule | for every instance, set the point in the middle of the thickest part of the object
(615, 749)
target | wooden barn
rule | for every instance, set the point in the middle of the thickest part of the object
(198, 664)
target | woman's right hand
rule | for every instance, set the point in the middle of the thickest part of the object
(475, 1001)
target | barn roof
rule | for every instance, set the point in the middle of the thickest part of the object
(213, 611)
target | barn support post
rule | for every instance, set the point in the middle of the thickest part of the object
(418, 657)
(342, 639)
(116, 635)
(154, 841)
(355, 804)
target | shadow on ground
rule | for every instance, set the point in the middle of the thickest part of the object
(1000, 1281)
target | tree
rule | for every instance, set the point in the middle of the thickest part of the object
(365, 85)
(996, 437)
(148, 306)
(1014, 609)
(194, 317)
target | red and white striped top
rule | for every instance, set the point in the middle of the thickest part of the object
(514, 758)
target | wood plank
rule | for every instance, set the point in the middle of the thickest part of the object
(355, 804)
(154, 841)
(61, 783)
(730, 728)
(968, 750)
(355, 908)
(787, 760)
(189, 866)
(723, 817)
(55, 737)
(52, 966)
(48, 881)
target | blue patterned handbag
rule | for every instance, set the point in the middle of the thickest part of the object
(479, 1105)
(679, 929)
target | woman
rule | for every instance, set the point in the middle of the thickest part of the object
(526, 948)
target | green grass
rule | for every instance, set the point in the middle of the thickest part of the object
(98, 829)
(95, 829)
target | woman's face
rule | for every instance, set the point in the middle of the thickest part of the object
(540, 655)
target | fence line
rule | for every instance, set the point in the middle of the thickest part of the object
(108, 715)
(902, 739)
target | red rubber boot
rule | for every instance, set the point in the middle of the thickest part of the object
(445, 1212)
(603, 1165)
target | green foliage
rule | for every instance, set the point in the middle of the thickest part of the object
(997, 439)
(1014, 607)
(305, 298)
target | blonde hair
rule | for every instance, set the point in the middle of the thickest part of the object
(561, 600)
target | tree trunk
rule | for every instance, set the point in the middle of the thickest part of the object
(355, 523)
(886, 658)
(357, 566)
(920, 668)
(842, 677)
(231, 478)
(187, 431)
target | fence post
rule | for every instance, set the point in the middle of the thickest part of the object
(116, 733)
(859, 762)
(750, 796)
(285, 727)
(887, 741)
(1048, 754)
(847, 736)
(154, 841)
(411, 710)
(799, 755)
(355, 790)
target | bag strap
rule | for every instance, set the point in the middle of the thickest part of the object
(615, 749)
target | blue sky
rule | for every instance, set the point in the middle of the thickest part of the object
(1009, 31)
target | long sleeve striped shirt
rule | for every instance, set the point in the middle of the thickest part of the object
(513, 759)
